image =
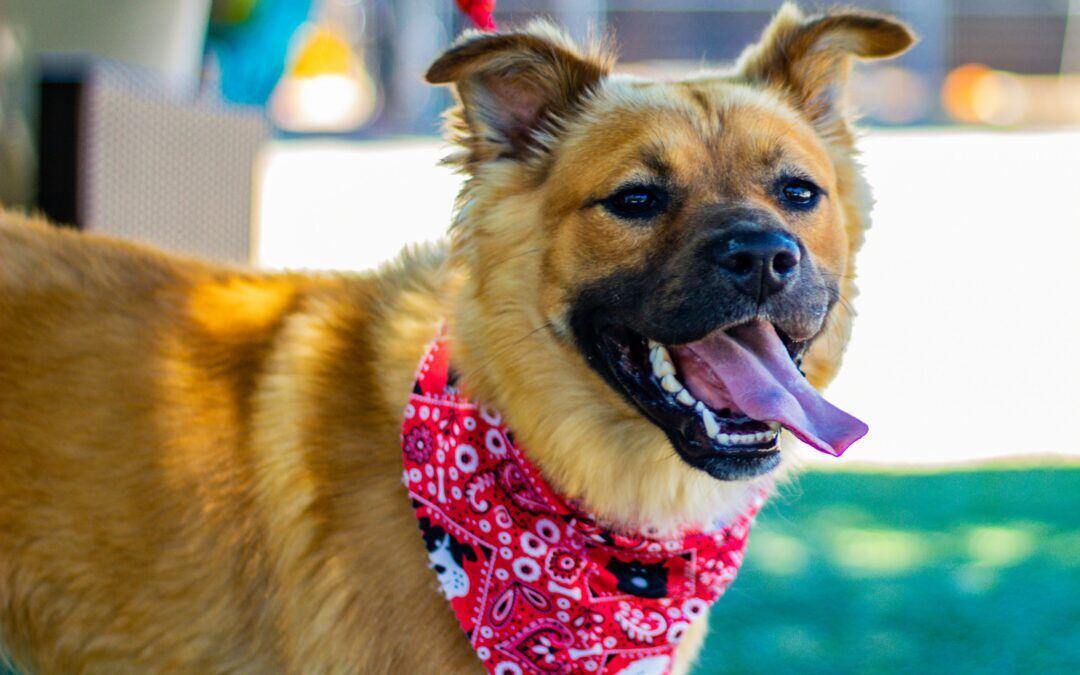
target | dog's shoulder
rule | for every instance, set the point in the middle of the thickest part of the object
(364, 334)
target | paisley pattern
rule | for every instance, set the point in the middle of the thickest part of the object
(548, 589)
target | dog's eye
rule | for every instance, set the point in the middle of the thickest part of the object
(638, 202)
(799, 193)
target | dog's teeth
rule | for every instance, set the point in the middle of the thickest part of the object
(711, 427)
(745, 439)
(670, 384)
(653, 344)
(723, 439)
(661, 362)
(663, 368)
(775, 426)
(685, 398)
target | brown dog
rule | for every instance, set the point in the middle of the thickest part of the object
(200, 467)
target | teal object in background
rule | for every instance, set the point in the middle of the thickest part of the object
(970, 572)
(251, 54)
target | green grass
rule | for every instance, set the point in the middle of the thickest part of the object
(964, 572)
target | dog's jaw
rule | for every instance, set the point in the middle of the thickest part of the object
(586, 440)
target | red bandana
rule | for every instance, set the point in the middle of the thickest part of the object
(537, 585)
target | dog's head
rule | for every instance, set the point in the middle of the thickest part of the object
(640, 254)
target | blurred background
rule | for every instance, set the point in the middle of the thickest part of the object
(299, 134)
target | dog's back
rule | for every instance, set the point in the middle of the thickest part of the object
(199, 468)
(119, 392)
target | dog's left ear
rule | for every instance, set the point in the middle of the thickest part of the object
(808, 58)
(515, 87)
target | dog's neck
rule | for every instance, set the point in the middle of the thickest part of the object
(590, 445)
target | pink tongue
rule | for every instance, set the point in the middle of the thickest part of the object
(753, 366)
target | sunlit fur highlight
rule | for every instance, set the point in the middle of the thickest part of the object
(200, 466)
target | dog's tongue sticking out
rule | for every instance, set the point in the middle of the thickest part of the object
(748, 368)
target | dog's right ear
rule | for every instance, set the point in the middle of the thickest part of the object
(808, 58)
(514, 88)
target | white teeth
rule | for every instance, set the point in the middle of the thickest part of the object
(664, 371)
(670, 384)
(663, 368)
(661, 362)
(743, 439)
(711, 427)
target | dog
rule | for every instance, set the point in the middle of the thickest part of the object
(200, 466)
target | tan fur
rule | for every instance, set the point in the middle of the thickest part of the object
(199, 466)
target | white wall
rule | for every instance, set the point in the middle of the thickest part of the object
(969, 320)
(966, 342)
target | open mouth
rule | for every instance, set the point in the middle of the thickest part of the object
(722, 400)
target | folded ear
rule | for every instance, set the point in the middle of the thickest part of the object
(514, 88)
(808, 58)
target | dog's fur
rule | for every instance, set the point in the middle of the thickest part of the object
(200, 466)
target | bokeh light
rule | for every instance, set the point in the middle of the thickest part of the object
(327, 89)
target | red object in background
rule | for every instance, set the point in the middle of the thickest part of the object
(480, 11)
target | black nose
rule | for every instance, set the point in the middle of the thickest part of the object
(759, 263)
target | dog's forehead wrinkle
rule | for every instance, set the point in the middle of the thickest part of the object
(653, 158)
